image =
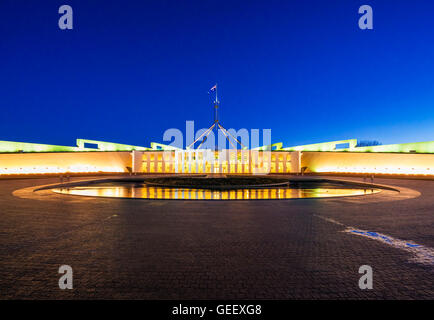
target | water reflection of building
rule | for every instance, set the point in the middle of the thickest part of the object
(148, 192)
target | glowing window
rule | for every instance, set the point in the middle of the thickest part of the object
(167, 167)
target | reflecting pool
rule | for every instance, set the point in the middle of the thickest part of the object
(142, 191)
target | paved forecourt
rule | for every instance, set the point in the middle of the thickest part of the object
(274, 249)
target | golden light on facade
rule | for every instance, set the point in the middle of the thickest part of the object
(404, 159)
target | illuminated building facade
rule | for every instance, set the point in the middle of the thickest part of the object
(90, 156)
(223, 161)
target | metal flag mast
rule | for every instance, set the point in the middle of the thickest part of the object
(216, 116)
(217, 126)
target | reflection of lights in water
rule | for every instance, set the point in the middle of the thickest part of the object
(145, 192)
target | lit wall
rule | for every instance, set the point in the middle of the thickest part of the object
(336, 146)
(417, 147)
(62, 162)
(324, 146)
(239, 162)
(108, 146)
(12, 146)
(354, 162)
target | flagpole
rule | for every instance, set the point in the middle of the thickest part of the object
(216, 120)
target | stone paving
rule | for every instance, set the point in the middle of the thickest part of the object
(140, 249)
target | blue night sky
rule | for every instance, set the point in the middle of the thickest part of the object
(129, 70)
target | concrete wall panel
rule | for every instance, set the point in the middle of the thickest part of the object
(58, 162)
(354, 162)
